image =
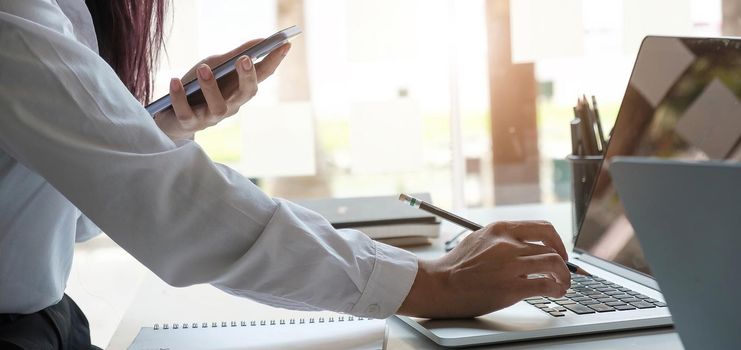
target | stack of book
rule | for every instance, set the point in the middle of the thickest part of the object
(382, 218)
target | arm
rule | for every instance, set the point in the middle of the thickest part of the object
(65, 114)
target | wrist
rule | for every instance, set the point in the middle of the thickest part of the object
(426, 297)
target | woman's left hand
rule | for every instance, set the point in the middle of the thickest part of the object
(183, 120)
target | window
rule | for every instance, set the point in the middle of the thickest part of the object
(389, 96)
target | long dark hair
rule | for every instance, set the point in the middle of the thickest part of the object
(130, 38)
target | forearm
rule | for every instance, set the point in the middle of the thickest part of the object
(300, 257)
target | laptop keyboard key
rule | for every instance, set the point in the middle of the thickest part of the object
(589, 302)
(565, 302)
(615, 303)
(601, 308)
(660, 304)
(624, 307)
(606, 299)
(643, 305)
(557, 314)
(579, 309)
(556, 300)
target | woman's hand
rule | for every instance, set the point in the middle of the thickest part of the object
(222, 100)
(489, 271)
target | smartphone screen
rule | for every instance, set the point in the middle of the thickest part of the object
(222, 71)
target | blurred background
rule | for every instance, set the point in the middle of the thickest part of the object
(468, 100)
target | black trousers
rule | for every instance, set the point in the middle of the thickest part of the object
(60, 326)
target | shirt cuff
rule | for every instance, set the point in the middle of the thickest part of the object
(389, 283)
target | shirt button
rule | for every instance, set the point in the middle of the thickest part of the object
(373, 309)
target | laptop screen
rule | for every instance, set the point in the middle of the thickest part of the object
(682, 101)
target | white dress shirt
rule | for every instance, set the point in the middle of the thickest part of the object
(75, 144)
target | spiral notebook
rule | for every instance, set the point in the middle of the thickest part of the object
(315, 332)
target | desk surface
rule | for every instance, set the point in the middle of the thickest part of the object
(157, 302)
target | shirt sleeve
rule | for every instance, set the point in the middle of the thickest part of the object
(85, 229)
(66, 115)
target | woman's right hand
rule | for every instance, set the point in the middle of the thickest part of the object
(489, 270)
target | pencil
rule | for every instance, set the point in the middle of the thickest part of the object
(444, 214)
(587, 125)
(576, 149)
(597, 118)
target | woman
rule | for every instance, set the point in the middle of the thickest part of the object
(78, 153)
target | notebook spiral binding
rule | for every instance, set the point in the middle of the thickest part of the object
(280, 322)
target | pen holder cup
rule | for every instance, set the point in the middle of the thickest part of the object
(584, 170)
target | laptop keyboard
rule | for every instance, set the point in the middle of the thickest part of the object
(589, 295)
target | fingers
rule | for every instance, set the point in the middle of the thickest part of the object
(549, 263)
(539, 231)
(535, 249)
(541, 287)
(238, 88)
(180, 105)
(267, 66)
(216, 60)
(247, 80)
(217, 107)
(235, 51)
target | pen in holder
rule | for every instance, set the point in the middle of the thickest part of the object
(584, 171)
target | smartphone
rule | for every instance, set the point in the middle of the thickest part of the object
(258, 51)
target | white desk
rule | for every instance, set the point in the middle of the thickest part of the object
(157, 302)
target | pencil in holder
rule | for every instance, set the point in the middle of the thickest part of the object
(584, 170)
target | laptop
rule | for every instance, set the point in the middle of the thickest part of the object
(680, 102)
(686, 216)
